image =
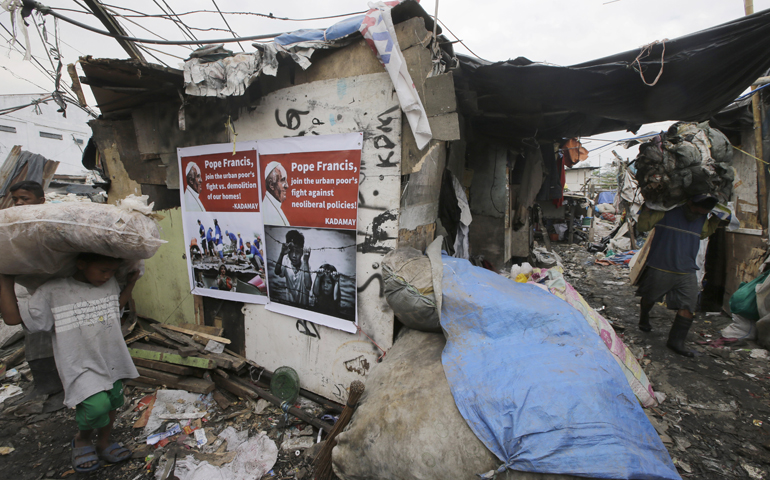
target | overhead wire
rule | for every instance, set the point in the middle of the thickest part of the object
(458, 39)
(49, 11)
(227, 24)
(179, 23)
(269, 16)
(22, 78)
(41, 68)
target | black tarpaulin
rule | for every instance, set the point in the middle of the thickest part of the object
(702, 73)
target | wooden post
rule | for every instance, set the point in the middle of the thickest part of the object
(748, 6)
(114, 27)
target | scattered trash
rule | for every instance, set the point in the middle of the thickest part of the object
(9, 391)
(759, 353)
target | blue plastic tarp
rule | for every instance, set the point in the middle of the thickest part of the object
(338, 30)
(606, 197)
(537, 385)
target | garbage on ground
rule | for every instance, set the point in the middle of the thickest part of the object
(9, 391)
(544, 258)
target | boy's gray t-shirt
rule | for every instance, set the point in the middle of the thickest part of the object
(90, 352)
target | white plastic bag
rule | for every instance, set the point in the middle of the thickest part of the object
(42, 241)
(741, 328)
(763, 298)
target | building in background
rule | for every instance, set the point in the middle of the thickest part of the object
(41, 129)
(576, 178)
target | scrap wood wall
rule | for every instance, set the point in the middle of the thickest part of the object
(746, 248)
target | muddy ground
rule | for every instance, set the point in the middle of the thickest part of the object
(714, 420)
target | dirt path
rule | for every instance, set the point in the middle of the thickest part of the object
(714, 420)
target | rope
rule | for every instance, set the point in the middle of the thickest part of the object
(644, 53)
(379, 359)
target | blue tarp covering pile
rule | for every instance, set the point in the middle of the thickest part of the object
(606, 197)
(537, 385)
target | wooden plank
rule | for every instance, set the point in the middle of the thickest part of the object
(161, 340)
(190, 384)
(234, 388)
(193, 332)
(216, 331)
(165, 377)
(166, 367)
(267, 375)
(639, 260)
(199, 314)
(160, 354)
(221, 400)
(299, 413)
(179, 338)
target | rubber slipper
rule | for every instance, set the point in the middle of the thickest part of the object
(81, 455)
(115, 453)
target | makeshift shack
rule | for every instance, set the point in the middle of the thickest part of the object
(496, 136)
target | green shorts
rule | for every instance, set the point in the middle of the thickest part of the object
(94, 411)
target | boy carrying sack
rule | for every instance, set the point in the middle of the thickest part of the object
(83, 314)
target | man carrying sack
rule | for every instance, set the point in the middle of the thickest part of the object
(671, 264)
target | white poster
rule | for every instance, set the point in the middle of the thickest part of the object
(223, 229)
(309, 204)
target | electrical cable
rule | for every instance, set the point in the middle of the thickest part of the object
(22, 78)
(264, 15)
(178, 21)
(227, 24)
(40, 67)
(458, 39)
(48, 11)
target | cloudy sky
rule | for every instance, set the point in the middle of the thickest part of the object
(562, 32)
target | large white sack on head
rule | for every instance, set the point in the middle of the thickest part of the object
(42, 241)
(408, 426)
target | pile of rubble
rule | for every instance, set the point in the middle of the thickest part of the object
(198, 410)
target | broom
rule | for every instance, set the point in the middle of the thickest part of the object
(323, 461)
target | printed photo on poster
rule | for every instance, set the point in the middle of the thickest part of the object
(224, 233)
(310, 211)
(313, 269)
(226, 253)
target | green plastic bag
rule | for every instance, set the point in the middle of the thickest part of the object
(744, 300)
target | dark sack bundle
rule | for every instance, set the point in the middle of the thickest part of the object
(413, 286)
(689, 159)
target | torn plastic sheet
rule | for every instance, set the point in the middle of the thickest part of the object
(377, 29)
(231, 76)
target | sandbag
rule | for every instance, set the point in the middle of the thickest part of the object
(408, 285)
(407, 424)
(40, 242)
